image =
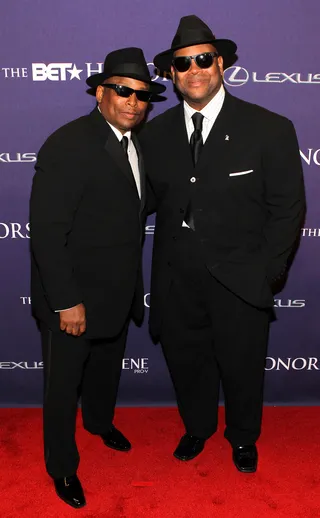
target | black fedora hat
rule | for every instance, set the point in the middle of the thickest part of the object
(192, 31)
(127, 62)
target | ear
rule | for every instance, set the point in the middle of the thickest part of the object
(220, 64)
(173, 75)
(99, 94)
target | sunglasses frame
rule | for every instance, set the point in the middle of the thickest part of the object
(121, 89)
(194, 57)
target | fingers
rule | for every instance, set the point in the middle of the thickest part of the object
(70, 328)
(63, 325)
(73, 328)
(73, 320)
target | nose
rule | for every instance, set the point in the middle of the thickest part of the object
(194, 67)
(132, 99)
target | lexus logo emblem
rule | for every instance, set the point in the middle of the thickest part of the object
(236, 76)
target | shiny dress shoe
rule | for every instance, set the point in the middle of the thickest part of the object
(69, 489)
(189, 447)
(245, 458)
(116, 440)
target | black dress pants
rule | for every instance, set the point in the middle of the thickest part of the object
(211, 335)
(74, 366)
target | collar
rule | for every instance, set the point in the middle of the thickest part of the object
(211, 109)
(117, 132)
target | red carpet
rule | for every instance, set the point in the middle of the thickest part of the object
(149, 482)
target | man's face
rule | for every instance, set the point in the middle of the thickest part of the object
(198, 85)
(122, 112)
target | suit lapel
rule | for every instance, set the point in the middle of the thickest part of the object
(184, 144)
(114, 149)
(112, 146)
(180, 152)
(217, 145)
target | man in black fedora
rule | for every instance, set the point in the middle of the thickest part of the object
(87, 214)
(230, 202)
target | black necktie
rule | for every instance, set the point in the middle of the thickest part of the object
(196, 145)
(196, 142)
(124, 143)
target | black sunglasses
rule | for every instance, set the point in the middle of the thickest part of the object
(204, 60)
(124, 91)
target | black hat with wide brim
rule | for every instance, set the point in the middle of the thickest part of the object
(127, 62)
(192, 31)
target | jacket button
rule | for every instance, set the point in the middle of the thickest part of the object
(193, 179)
(169, 263)
(181, 211)
(174, 238)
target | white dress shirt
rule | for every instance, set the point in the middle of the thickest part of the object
(210, 112)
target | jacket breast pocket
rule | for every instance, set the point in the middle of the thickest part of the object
(245, 179)
(241, 173)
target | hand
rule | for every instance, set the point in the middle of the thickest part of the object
(73, 320)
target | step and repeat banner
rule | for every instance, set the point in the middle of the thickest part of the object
(47, 50)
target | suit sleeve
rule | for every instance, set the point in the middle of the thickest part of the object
(285, 197)
(56, 193)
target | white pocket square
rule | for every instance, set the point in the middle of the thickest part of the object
(241, 173)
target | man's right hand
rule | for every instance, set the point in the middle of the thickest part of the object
(73, 320)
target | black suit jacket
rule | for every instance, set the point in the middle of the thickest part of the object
(248, 198)
(87, 225)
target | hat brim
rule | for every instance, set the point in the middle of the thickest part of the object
(97, 79)
(163, 60)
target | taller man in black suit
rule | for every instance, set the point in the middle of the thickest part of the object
(228, 187)
(87, 224)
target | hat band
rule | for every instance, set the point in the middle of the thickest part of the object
(131, 68)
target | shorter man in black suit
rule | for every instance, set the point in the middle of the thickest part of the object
(87, 214)
(230, 203)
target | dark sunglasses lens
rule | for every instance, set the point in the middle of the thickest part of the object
(143, 95)
(124, 91)
(204, 60)
(182, 63)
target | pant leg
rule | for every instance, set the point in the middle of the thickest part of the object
(186, 339)
(101, 381)
(240, 339)
(64, 357)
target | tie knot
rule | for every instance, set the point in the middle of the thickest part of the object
(124, 143)
(197, 119)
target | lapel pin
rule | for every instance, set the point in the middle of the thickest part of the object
(226, 137)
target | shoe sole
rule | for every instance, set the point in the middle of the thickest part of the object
(69, 503)
(185, 459)
(242, 470)
(117, 449)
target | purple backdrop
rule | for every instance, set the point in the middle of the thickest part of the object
(47, 50)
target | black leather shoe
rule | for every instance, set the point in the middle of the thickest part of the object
(189, 447)
(245, 458)
(116, 440)
(69, 489)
